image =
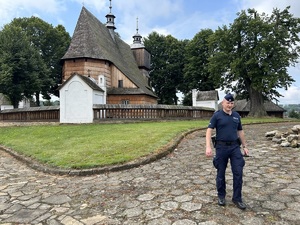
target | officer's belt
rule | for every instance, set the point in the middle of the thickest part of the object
(227, 142)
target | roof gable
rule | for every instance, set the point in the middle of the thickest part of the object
(4, 100)
(86, 80)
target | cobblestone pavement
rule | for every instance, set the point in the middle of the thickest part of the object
(176, 190)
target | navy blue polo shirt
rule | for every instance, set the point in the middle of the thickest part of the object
(226, 125)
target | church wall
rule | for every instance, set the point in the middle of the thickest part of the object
(118, 75)
(132, 99)
(142, 57)
(92, 67)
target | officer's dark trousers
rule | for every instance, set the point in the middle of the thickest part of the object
(223, 153)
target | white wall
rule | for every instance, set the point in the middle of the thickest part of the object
(76, 102)
(210, 104)
(3, 107)
(25, 103)
(102, 85)
(194, 97)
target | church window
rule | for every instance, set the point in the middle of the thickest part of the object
(120, 83)
(125, 101)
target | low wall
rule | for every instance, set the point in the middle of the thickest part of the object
(111, 112)
(135, 112)
(44, 113)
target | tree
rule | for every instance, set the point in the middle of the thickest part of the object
(20, 65)
(196, 73)
(251, 57)
(294, 114)
(167, 61)
(51, 43)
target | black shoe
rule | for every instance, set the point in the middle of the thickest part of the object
(240, 205)
(221, 201)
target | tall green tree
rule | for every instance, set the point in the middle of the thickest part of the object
(196, 73)
(51, 43)
(167, 62)
(20, 65)
(251, 57)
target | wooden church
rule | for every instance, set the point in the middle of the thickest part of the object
(97, 52)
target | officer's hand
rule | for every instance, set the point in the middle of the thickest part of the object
(208, 152)
(246, 151)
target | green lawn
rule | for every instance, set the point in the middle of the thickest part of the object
(94, 145)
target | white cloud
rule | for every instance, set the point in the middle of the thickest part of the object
(267, 6)
(27, 8)
(154, 15)
(291, 96)
(98, 5)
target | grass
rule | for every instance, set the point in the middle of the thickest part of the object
(96, 145)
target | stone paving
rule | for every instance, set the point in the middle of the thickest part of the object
(178, 189)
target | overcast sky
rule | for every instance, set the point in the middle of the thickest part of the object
(180, 18)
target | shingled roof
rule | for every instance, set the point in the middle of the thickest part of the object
(207, 95)
(244, 106)
(4, 100)
(92, 39)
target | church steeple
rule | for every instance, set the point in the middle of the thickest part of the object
(141, 55)
(137, 38)
(110, 24)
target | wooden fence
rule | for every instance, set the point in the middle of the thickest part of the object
(45, 113)
(111, 112)
(149, 112)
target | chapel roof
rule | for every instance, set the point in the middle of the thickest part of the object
(207, 95)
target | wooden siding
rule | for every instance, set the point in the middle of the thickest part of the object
(142, 57)
(133, 99)
(92, 67)
(118, 75)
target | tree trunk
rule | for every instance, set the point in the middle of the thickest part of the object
(257, 108)
(14, 102)
(16, 105)
(37, 97)
(175, 99)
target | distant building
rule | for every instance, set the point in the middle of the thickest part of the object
(6, 104)
(243, 108)
(205, 98)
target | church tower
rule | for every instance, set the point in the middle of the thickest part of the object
(110, 24)
(142, 56)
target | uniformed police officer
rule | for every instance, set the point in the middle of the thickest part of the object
(229, 137)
